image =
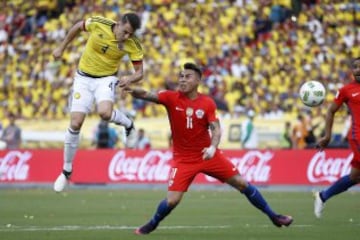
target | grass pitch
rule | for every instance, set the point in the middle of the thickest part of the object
(203, 214)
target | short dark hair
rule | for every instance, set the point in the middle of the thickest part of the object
(354, 60)
(133, 19)
(193, 67)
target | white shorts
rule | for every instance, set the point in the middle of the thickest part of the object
(87, 89)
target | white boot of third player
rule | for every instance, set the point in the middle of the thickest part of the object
(61, 181)
(318, 205)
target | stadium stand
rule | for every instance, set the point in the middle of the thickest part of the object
(255, 54)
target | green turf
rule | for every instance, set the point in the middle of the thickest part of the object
(113, 214)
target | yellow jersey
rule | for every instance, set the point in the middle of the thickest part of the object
(101, 56)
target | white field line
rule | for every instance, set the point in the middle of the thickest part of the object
(271, 226)
(14, 228)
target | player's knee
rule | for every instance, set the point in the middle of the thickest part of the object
(105, 115)
(355, 175)
(355, 178)
(173, 202)
(76, 121)
(242, 184)
(75, 125)
(238, 182)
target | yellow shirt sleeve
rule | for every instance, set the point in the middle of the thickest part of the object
(134, 49)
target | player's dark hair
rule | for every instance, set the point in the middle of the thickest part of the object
(193, 67)
(133, 19)
(354, 60)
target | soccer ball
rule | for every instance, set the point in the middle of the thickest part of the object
(312, 93)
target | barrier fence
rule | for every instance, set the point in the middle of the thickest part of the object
(265, 167)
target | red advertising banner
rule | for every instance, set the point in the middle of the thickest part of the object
(266, 167)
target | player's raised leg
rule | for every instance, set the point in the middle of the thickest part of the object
(104, 96)
(164, 208)
(81, 103)
(257, 200)
(120, 118)
(71, 144)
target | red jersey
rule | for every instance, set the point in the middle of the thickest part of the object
(350, 95)
(189, 122)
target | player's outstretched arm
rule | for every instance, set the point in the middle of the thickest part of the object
(124, 81)
(209, 152)
(329, 120)
(143, 94)
(73, 32)
(215, 133)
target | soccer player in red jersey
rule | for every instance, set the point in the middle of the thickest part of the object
(191, 115)
(350, 95)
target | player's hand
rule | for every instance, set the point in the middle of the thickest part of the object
(57, 53)
(209, 152)
(124, 82)
(128, 89)
(322, 143)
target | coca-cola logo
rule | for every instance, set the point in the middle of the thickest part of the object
(14, 166)
(153, 166)
(322, 169)
(253, 166)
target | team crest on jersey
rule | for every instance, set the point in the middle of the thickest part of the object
(77, 95)
(199, 113)
(189, 112)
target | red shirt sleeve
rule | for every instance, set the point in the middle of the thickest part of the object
(340, 96)
(211, 111)
(163, 96)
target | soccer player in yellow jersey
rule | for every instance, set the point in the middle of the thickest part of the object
(96, 78)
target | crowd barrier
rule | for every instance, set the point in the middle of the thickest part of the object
(265, 167)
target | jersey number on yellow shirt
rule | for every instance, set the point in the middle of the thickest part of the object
(104, 48)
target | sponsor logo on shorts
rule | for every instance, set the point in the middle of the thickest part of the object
(77, 95)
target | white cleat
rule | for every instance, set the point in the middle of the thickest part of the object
(318, 205)
(131, 137)
(60, 183)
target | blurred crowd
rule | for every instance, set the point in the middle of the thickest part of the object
(255, 54)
